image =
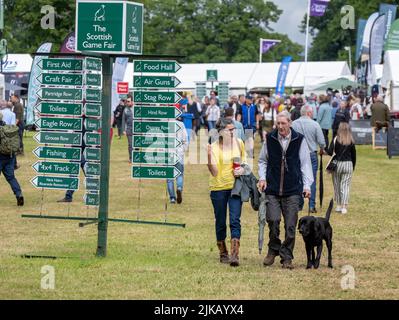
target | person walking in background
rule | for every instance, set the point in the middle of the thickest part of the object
(261, 105)
(312, 102)
(324, 117)
(285, 174)
(379, 113)
(192, 108)
(268, 117)
(356, 111)
(296, 111)
(213, 114)
(204, 106)
(18, 109)
(342, 115)
(118, 117)
(7, 161)
(223, 170)
(229, 114)
(182, 136)
(314, 137)
(127, 123)
(345, 152)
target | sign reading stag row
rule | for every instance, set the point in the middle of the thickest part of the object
(154, 126)
(69, 120)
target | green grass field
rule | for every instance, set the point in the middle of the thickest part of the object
(158, 262)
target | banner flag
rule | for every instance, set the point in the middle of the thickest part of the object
(361, 25)
(392, 42)
(390, 13)
(267, 44)
(34, 83)
(318, 7)
(282, 75)
(367, 33)
(377, 39)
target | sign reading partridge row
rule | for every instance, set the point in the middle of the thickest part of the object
(109, 27)
(152, 105)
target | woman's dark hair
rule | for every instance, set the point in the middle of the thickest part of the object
(223, 123)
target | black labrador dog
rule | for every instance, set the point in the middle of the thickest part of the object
(314, 230)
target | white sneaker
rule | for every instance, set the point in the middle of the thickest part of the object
(338, 209)
(344, 211)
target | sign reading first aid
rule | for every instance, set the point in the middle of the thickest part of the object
(109, 26)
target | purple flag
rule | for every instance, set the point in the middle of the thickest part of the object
(268, 44)
(318, 7)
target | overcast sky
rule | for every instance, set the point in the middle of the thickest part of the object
(290, 19)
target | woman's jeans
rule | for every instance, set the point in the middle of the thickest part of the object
(179, 181)
(220, 200)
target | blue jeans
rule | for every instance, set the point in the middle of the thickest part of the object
(315, 164)
(179, 181)
(211, 125)
(220, 200)
(7, 164)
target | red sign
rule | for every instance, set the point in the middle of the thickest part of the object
(122, 88)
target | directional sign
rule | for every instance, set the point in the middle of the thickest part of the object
(93, 80)
(156, 127)
(211, 75)
(93, 95)
(92, 169)
(60, 183)
(93, 64)
(156, 66)
(156, 97)
(93, 110)
(58, 153)
(59, 124)
(92, 184)
(154, 172)
(58, 108)
(92, 139)
(63, 138)
(155, 157)
(92, 154)
(92, 124)
(60, 94)
(92, 199)
(156, 112)
(57, 168)
(148, 142)
(155, 82)
(60, 79)
(61, 65)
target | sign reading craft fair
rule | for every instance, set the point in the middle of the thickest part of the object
(109, 27)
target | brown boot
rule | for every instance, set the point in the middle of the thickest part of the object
(269, 259)
(223, 253)
(235, 250)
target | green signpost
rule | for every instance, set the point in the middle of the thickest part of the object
(57, 168)
(93, 95)
(109, 27)
(60, 138)
(92, 124)
(154, 66)
(141, 112)
(60, 79)
(211, 75)
(156, 127)
(58, 153)
(55, 182)
(92, 169)
(60, 94)
(139, 172)
(155, 82)
(92, 199)
(61, 64)
(93, 80)
(92, 139)
(92, 184)
(92, 154)
(156, 97)
(59, 123)
(148, 142)
(93, 64)
(58, 108)
(156, 157)
(93, 110)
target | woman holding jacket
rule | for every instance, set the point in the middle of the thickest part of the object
(343, 146)
(225, 157)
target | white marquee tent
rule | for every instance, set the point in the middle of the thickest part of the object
(247, 76)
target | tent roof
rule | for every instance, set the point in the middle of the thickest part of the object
(17, 63)
(252, 75)
(391, 68)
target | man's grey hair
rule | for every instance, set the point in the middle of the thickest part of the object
(380, 97)
(306, 109)
(284, 114)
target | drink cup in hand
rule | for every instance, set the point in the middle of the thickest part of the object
(236, 163)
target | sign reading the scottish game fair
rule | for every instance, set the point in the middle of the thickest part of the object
(109, 27)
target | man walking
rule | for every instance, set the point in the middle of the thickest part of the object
(324, 117)
(285, 175)
(18, 109)
(379, 114)
(7, 161)
(118, 116)
(311, 130)
(128, 124)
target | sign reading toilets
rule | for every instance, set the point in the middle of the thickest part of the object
(109, 26)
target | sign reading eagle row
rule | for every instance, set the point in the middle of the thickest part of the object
(69, 89)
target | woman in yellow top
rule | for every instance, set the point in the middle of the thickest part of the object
(223, 171)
